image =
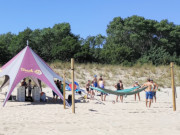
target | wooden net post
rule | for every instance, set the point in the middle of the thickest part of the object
(64, 94)
(72, 77)
(173, 86)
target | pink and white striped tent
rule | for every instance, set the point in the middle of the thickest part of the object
(28, 64)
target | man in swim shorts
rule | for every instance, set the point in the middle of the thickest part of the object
(148, 90)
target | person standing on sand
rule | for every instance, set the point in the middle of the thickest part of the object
(136, 85)
(58, 84)
(91, 90)
(119, 86)
(149, 94)
(95, 81)
(61, 87)
(87, 88)
(54, 94)
(29, 88)
(95, 84)
(23, 83)
(101, 84)
(155, 88)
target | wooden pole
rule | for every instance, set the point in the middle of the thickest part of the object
(173, 86)
(64, 94)
(72, 77)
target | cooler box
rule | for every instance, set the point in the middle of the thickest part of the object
(21, 94)
(36, 94)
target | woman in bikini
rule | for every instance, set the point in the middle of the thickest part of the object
(119, 86)
(135, 85)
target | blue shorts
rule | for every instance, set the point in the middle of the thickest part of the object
(149, 94)
(95, 84)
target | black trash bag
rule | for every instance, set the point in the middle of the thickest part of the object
(69, 98)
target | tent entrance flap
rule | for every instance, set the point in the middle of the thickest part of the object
(5, 83)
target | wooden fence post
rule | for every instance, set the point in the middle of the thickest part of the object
(173, 86)
(72, 77)
(64, 94)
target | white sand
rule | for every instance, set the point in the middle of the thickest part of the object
(92, 118)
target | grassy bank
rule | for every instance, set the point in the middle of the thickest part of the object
(113, 73)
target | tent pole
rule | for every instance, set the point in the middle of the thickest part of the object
(64, 94)
(27, 43)
(173, 86)
(72, 77)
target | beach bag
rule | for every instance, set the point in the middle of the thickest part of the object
(29, 98)
(69, 98)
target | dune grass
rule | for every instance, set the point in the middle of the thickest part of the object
(113, 73)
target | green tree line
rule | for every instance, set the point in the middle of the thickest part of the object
(128, 41)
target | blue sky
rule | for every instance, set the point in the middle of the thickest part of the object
(86, 17)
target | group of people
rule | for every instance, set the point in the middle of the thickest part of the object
(101, 83)
(95, 83)
(60, 87)
(150, 91)
(27, 86)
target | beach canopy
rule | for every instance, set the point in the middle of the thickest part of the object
(28, 64)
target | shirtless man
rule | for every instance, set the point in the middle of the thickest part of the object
(148, 90)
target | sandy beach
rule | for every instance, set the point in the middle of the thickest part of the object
(115, 47)
(92, 116)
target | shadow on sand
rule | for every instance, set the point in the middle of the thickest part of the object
(49, 101)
